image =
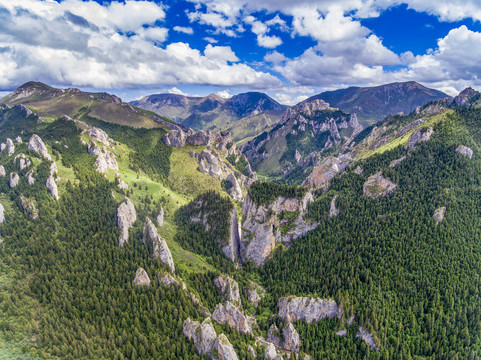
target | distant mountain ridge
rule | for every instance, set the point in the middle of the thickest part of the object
(372, 104)
(245, 114)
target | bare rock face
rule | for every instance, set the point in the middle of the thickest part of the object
(14, 179)
(2, 171)
(231, 250)
(10, 147)
(292, 340)
(326, 170)
(168, 280)
(358, 170)
(122, 185)
(141, 278)
(126, 217)
(377, 185)
(98, 134)
(270, 352)
(18, 139)
(175, 138)
(52, 187)
(2, 214)
(160, 217)
(234, 189)
(209, 164)
(255, 293)
(396, 162)
(159, 245)
(274, 336)
(465, 97)
(203, 335)
(105, 159)
(230, 315)
(29, 207)
(53, 168)
(93, 148)
(36, 144)
(224, 349)
(465, 151)
(262, 227)
(341, 333)
(419, 135)
(294, 309)
(439, 214)
(333, 211)
(367, 338)
(229, 289)
(30, 178)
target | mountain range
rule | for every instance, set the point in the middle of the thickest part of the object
(126, 235)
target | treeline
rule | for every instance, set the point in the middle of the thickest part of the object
(263, 192)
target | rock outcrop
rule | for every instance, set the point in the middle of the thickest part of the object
(122, 185)
(270, 353)
(439, 214)
(30, 178)
(419, 135)
(2, 214)
(52, 187)
(367, 338)
(230, 315)
(167, 279)
(98, 134)
(465, 97)
(234, 189)
(255, 293)
(14, 179)
(2, 171)
(10, 147)
(160, 217)
(141, 278)
(333, 211)
(396, 162)
(292, 340)
(18, 139)
(274, 336)
(36, 144)
(231, 249)
(229, 289)
(105, 159)
(322, 173)
(206, 340)
(465, 151)
(126, 217)
(53, 168)
(28, 205)
(175, 138)
(377, 185)
(262, 226)
(159, 245)
(209, 163)
(294, 309)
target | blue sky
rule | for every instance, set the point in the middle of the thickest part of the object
(288, 49)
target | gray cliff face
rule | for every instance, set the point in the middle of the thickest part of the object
(28, 205)
(10, 147)
(2, 214)
(439, 214)
(293, 309)
(255, 293)
(377, 185)
(179, 138)
(419, 135)
(333, 211)
(367, 338)
(292, 340)
(465, 151)
(52, 187)
(206, 340)
(261, 227)
(230, 315)
(14, 179)
(36, 144)
(235, 190)
(105, 159)
(30, 178)
(323, 172)
(160, 217)
(231, 250)
(270, 353)
(2, 171)
(126, 217)
(141, 278)
(159, 245)
(274, 336)
(229, 289)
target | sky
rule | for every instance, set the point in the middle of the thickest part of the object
(288, 49)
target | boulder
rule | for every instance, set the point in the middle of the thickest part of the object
(292, 340)
(141, 278)
(30, 178)
(229, 289)
(14, 179)
(2, 214)
(377, 185)
(160, 217)
(294, 309)
(419, 135)
(230, 315)
(126, 217)
(10, 147)
(224, 349)
(52, 187)
(36, 144)
(28, 205)
(465, 151)
(18, 139)
(333, 211)
(159, 245)
(233, 188)
(439, 214)
(2, 171)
